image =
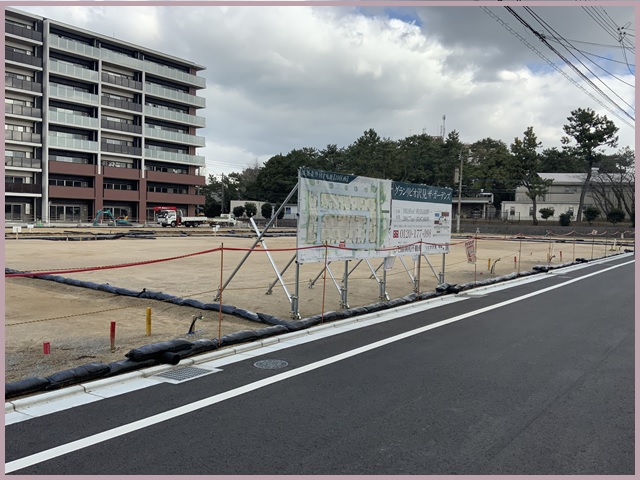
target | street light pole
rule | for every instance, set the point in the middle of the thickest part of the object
(459, 195)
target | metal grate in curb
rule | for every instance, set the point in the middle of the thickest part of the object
(187, 373)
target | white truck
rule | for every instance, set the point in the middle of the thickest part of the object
(173, 217)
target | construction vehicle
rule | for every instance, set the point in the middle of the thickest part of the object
(173, 217)
(111, 220)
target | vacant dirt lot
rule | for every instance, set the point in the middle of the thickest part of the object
(76, 321)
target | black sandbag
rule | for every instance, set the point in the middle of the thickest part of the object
(427, 295)
(200, 346)
(23, 387)
(396, 302)
(272, 320)
(540, 268)
(352, 312)
(455, 288)
(228, 309)
(172, 358)
(375, 307)
(157, 296)
(154, 350)
(443, 287)
(410, 297)
(107, 288)
(331, 316)
(309, 322)
(246, 314)
(128, 365)
(271, 331)
(126, 292)
(76, 375)
(192, 303)
(237, 337)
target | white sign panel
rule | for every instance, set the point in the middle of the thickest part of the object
(420, 219)
(347, 214)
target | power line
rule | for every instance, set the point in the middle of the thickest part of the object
(553, 65)
(550, 29)
(573, 67)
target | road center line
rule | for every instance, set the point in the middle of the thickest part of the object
(191, 407)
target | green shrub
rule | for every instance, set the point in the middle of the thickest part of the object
(238, 211)
(266, 210)
(250, 209)
(591, 213)
(546, 212)
(565, 219)
(615, 215)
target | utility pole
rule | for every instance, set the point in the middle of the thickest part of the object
(222, 201)
(459, 194)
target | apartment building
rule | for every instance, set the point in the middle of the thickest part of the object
(94, 123)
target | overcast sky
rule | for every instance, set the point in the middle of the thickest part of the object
(280, 78)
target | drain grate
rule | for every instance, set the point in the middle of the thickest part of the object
(271, 364)
(186, 373)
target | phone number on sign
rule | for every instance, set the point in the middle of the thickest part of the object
(412, 233)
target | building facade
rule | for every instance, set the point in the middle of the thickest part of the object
(93, 123)
(563, 196)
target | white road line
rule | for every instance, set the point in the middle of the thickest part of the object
(191, 407)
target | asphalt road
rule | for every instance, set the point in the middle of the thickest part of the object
(533, 379)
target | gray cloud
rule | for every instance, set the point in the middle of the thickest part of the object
(280, 78)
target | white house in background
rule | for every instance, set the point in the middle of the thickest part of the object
(563, 196)
(290, 211)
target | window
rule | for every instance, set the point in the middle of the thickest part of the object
(167, 129)
(74, 136)
(117, 164)
(28, 26)
(70, 88)
(65, 182)
(18, 50)
(18, 154)
(69, 111)
(117, 119)
(115, 96)
(19, 76)
(18, 128)
(531, 211)
(68, 159)
(116, 141)
(570, 211)
(165, 107)
(512, 211)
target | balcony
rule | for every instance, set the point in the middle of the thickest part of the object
(22, 32)
(22, 162)
(168, 93)
(120, 126)
(75, 193)
(59, 92)
(123, 104)
(123, 149)
(71, 119)
(14, 56)
(67, 70)
(19, 84)
(175, 157)
(69, 168)
(121, 81)
(174, 116)
(175, 137)
(72, 143)
(72, 46)
(177, 178)
(175, 198)
(174, 74)
(121, 195)
(23, 111)
(27, 137)
(121, 173)
(22, 188)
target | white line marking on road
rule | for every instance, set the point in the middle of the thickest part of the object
(191, 407)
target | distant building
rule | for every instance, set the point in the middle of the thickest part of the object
(563, 196)
(94, 123)
(290, 211)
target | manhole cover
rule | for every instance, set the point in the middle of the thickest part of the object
(271, 364)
